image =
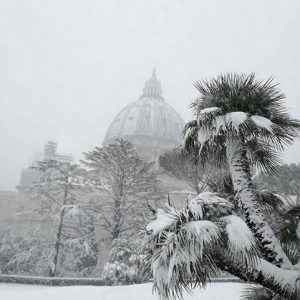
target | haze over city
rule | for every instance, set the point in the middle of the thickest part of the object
(68, 67)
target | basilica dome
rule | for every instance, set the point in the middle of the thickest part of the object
(150, 123)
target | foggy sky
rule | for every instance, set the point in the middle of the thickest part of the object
(68, 67)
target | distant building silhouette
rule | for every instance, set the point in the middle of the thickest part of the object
(30, 175)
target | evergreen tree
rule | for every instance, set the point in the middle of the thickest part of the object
(59, 200)
(127, 184)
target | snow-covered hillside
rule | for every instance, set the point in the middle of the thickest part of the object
(216, 291)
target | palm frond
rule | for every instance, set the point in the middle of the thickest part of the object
(269, 201)
(241, 103)
(242, 245)
(165, 218)
(256, 292)
(185, 257)
(262, 155)
(292, 250)
(291, 222)
(210, 206)
(190, 133)
(184, 244)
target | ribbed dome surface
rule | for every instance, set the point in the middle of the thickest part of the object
(149, 117)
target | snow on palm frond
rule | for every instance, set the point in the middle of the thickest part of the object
(196, 209)
(190, 132)
(262, 122)
(211, 198)
(207, 115)
(209, 110)
(204, 134)
(219, 123)
(183, 256)
(185, 243)
(210, 205)
(161, 275)
(211, 124)
(242, 245)
(256, 108)
(201, 234)
(165, 218)
(235, 119)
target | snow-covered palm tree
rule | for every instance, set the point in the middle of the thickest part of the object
(190, 245)
(244, 121)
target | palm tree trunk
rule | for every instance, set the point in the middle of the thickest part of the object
(243, 188)
(284, 282)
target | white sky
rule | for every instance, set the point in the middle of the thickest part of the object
(68, 67)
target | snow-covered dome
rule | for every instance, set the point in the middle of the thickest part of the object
(148, 122)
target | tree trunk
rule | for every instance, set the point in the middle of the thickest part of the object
(53, 270)
(243, 188)
(283, 282)
(117, 218)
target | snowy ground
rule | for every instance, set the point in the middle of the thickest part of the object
(216, 291)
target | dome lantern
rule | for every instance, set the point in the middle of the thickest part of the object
(152, 87)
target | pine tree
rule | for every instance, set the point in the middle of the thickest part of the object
(126, 183)
(59, 198)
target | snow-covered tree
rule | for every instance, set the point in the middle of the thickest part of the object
(23, 255)
(58, 195)
(81, 246)
(243, 120)
(126, 183)
(191, 245)
(128, 263)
